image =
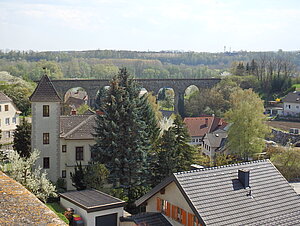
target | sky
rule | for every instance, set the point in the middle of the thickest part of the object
(150, 25)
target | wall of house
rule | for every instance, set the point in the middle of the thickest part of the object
(207, 149)
(196, 141)
(8, 128)
(68, 158)
(49, 125)
(172, 195)
(89, 218)
(291, 108)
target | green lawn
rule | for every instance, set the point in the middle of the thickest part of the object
(56, 208)
(297, 86)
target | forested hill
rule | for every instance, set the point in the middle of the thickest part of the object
(214, 60)
(105, 63)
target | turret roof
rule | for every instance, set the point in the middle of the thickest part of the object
(45, 92)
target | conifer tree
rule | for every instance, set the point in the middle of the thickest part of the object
(78, 177)
(22, 139)
(123, 135)
(173, 153)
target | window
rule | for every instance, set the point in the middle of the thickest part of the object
(46, 163)
(164, 207)
(79, 153)
(63, 174)
(6, 134)
(297, 106)
(193, 140)
(45, 110)
(179, 214)
(0, 107)
(45, 138)
(14, 120)
(64, 148)
(7, 121)
(6, 107)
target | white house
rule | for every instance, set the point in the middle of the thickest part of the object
(199, 126)
(9, 118)
(249, 193)
(62, 140)
(214, 142)
(291, 104)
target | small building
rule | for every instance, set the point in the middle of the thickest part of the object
(214, 142)
(9, 118)
(199, 126)
(291, 104)
(249, 193)
(95, 207)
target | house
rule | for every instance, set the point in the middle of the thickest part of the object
(95, 207)
(20, 207)
(9, 118)
(199, 126)
(249, 193)
(62, 140)
(291, 104)
(214, 142)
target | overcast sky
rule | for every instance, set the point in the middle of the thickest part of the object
(196, 25)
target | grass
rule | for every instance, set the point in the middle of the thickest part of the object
(297, 86)
(58, 210)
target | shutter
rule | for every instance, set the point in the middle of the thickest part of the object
(190, 219)
(158, 204)
(168, 213)
(183, 217)
(174, 212)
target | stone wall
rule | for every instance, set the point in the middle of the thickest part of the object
(284, 137)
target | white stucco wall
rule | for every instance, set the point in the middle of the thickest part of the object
(174, 196)
(68, 159)
(49, 125)
(10, 114)
(291, 108)
(89, 218)
(208, 150)
(196, 141)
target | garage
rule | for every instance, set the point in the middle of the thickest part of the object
(110, 219)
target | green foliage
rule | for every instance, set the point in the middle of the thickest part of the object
(18, 90)
(287, 161)
(95, 175)
(22, 138)
(58, 210)
(82, 109)
(78, 177)
(22, 170)
(61, 185)
(123, 134)
(248, 130)
(173, 153)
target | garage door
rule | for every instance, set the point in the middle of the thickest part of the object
(107, 220)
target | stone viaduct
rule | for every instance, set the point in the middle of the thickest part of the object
(179, 86)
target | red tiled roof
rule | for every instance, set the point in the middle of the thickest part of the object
(199, 126)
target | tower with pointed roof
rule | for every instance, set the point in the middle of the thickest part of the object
(45, 105)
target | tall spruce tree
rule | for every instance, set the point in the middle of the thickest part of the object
(173, 153)
(123, 135)
(22, 139)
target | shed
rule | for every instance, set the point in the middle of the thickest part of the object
(95, 207)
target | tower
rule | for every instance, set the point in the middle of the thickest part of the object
(45, 107)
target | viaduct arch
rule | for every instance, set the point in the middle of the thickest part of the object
(179, 86)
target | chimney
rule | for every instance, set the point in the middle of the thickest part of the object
(244, 177)
(73, 112)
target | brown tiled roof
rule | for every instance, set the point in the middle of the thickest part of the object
(20, 207)
(4, 98)
(199, 126)
(45, 91)
(77, 127)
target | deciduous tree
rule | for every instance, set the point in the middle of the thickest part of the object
(248, 130)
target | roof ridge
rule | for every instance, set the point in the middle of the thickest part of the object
(223, 166)
(78, 126)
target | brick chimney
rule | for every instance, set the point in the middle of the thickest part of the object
(244, 177)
